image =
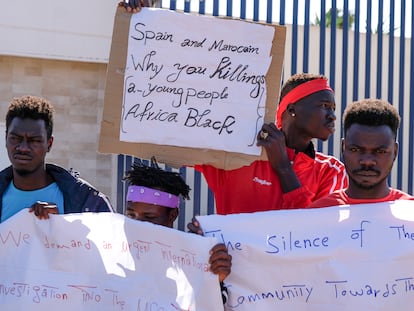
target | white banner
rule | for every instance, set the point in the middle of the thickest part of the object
(358, 257)
(103, 261)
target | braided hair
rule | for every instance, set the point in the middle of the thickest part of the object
(152, 176)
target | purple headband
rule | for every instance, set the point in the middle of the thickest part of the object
(152, 196)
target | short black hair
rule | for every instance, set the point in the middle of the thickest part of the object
(371, 112)
(31, 107)
(296, 80)
(152, 176)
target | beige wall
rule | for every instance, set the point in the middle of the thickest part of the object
(76, 90)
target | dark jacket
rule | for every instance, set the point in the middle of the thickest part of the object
(78, 195)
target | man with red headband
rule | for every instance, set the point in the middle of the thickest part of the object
(294, 175)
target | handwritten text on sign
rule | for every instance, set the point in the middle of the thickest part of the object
(339, 258)
(103, 262)
(190, 80)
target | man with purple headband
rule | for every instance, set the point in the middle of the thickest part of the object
(154, 196)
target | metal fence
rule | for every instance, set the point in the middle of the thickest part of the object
(364, 48)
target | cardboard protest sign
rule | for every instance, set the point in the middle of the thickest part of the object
(348, 258)
(190, 89)
(103, 261)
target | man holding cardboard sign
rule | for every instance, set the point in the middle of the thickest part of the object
(293, 175)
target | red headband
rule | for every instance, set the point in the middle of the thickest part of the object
(298, 93)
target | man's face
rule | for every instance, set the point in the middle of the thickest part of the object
(27, 145)
(315, 115)
(159, 215)
(369, 153)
